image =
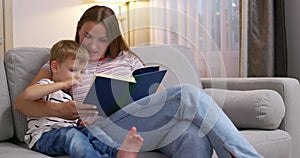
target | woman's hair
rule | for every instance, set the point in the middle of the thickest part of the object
(107, 17)
(65, 49)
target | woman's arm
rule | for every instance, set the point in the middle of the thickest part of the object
(40, 108)
(43, 73)
(31, 107)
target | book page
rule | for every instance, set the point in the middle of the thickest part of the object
(122, 78)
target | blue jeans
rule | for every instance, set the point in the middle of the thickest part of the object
(77, 142)
(182, 121)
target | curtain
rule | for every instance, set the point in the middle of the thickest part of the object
(281, 68)
(134, 22)
(205, 26)
(176, 22)
(265, 54)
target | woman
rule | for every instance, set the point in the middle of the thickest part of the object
(181, 121)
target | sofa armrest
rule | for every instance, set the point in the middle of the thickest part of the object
(288, 88)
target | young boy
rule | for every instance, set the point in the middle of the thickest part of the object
(55, 136)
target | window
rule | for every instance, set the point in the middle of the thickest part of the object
(209, 27)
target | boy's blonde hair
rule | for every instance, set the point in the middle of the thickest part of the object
(64, 49)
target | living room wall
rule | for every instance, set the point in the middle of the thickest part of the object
(43, 22)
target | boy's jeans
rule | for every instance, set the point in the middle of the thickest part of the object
(78, 142)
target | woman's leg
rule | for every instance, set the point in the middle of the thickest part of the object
(214, 124)
(189, 145)
(153, 121)
(165, 117)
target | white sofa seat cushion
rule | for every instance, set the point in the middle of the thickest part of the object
(15, 151)
(257, 109)
(270, 143)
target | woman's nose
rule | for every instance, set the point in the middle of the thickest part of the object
(93, 45)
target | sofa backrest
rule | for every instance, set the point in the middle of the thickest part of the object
(21, 65)
(6, 122)
(179, 60)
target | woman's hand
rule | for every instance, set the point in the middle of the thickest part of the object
(72, 110)
(86, 110)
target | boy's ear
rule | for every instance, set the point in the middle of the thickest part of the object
(53, 66)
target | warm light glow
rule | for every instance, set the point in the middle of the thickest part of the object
(112, 1)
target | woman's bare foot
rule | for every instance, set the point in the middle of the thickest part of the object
(131, 145)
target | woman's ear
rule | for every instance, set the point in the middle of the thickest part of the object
(53, 66)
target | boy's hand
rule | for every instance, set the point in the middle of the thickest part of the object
(71, 83)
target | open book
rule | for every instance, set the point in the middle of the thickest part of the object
(110, 93)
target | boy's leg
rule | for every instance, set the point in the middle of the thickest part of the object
(129, 148)
(97, 132)
(67, 141)
(92, 134)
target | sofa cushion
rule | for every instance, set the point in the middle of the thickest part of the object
(6, 122)
(258, 109)
(21, 65)
(15, 151)
(270, 143)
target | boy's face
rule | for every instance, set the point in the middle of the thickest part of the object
(69, 69)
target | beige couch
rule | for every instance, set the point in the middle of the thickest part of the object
(264, 109)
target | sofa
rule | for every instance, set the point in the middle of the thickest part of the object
(265, 110)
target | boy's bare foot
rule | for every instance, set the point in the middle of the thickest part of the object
(131, 145)
(232, 155)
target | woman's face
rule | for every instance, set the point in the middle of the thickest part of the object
(93, 37)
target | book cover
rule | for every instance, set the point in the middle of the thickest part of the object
(111, 93)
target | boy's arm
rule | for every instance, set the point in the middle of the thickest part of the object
(38, 91)
(40, 108)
